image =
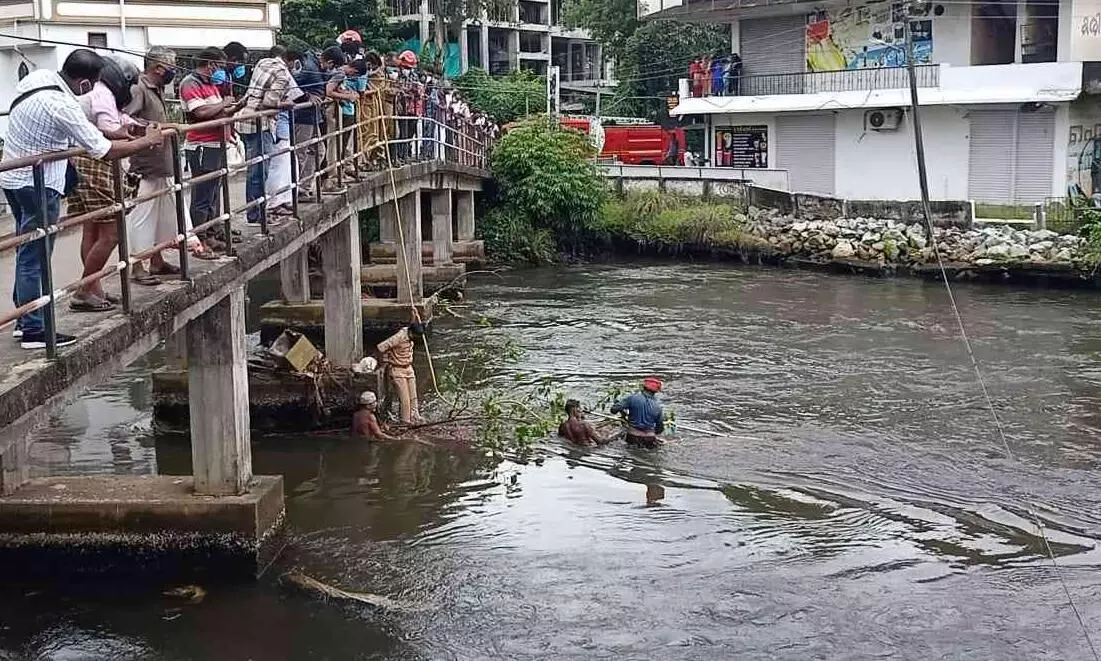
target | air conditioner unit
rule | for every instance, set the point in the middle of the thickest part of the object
(884, 119)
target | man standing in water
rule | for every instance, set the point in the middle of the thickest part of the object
(575, 429)
(397, 355)
(365, 423)
(645, 419)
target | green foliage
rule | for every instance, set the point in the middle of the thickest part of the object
(317, 22)
(505, 99)
(545, 174)
(654, 57)
(1090, 229)
(611, 22)
(510, 237)
(669, 221)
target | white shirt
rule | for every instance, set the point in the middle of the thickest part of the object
(47, 121)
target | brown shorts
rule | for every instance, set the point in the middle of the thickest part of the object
(648, 442)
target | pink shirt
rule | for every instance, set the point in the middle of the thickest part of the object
(101, 110)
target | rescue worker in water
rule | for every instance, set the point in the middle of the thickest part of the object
(645, 418)
(575, 429)
(365, 423)
(397, 355)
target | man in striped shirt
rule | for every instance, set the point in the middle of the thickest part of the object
(203, 102)
(45, 117)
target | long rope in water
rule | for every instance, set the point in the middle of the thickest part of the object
(985, 391)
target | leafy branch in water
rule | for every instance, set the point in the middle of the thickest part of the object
(509, 418)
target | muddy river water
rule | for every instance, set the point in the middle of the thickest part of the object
(860, 504)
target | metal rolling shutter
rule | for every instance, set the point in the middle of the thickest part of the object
(773, 46)
(1035, 148)
(993, 142)
(805, 148)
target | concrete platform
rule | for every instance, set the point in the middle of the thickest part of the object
(381, 317)
(471, 253)
(278, 401)
(148, 526)
(381, 281)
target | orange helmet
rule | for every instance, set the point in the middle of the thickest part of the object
(652, 383)
(407, 59)
(349, 35)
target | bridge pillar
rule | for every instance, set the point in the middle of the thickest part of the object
(221, 456)
(410, 281)
(464, 208)
(387, 223)
(294, 276)
(342, 261)
(441, 227)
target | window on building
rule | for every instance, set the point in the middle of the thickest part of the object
(97, 39)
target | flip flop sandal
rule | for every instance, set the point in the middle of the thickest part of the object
(148, 279)
(167, 269)
(90, 305)
(204, 253)
(111, 298)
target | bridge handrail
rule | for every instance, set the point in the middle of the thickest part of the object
(459, 141)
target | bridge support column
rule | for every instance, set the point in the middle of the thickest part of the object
(342, 260)
(294, 276)
(441, 227)
(464, 208)
(221, 456)
(410, 280)
(387, 223)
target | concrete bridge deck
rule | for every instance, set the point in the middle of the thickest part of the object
(32, 387)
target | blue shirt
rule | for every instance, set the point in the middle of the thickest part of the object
(643, 411)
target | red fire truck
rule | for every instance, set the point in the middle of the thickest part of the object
(634, 141)
(631, 140)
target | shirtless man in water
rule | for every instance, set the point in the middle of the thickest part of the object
(575, 429)
(365, 424)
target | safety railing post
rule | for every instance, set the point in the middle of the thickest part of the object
(258, 126)
(123, 235)
(294, 165)
(318, 146)
(44, 251)
(340, 145)
(227, 204)
(181, 218)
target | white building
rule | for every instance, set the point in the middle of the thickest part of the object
(526, 34)
(132, 25)
(824, 97)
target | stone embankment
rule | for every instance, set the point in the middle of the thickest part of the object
(894, 243)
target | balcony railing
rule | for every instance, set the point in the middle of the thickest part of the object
(404, 7)
(850, 80)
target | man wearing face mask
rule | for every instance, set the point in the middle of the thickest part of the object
(238, 75)
(154, 221)
(202, 102)
(46, 116)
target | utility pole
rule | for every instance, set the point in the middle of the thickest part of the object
(552, 95)
(919, 143)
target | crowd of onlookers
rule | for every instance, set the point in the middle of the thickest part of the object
(718, 75)
(345, 109)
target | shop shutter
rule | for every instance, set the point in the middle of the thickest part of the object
(773, 46)
(1035, 149)
(1011, 156)
(989, 171)
(805, 148)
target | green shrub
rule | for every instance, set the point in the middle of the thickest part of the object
(544, 174)
(510, 237)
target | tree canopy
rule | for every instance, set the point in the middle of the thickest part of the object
(507, 98)
(317, 22)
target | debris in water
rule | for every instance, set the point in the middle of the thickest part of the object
(192, 593)
(310, 584)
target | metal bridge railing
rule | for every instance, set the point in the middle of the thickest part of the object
(400, 139)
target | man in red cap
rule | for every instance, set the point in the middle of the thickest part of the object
(645, 419)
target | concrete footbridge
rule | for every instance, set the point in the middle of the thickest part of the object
(421, 188)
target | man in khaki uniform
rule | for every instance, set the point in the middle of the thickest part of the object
(397, 355)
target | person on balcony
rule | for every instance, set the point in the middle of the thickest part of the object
(695, 73)
(732, 76)
(718, 68)
(45, 117)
